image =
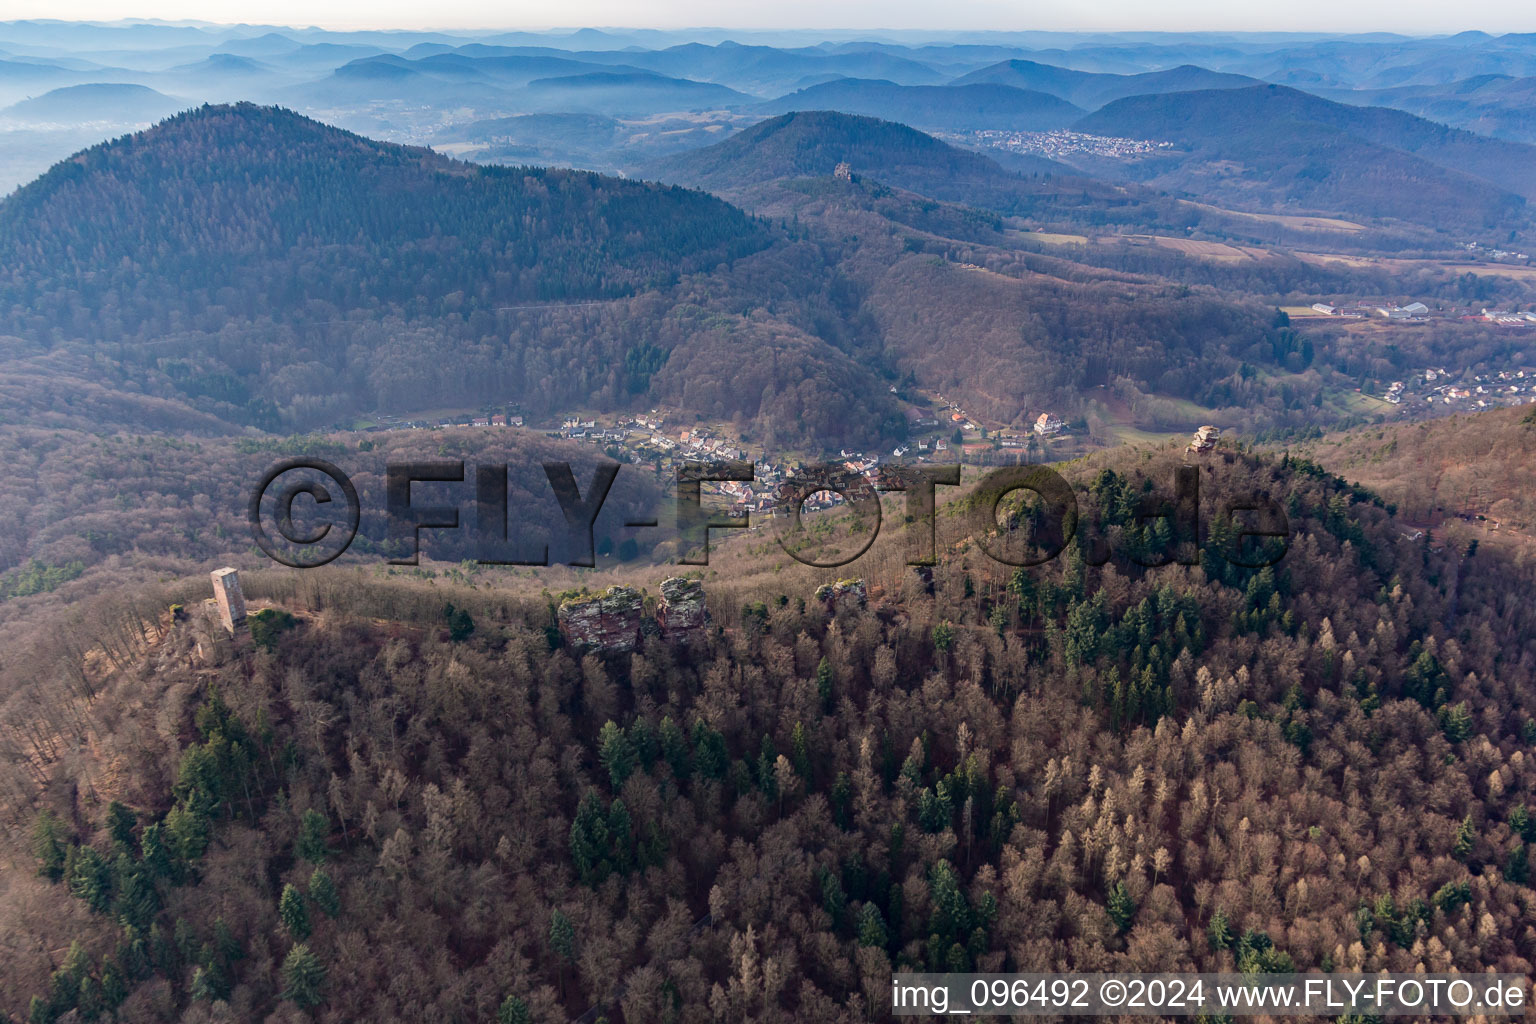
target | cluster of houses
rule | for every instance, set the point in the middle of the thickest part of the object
(1496, 254)
(644, 437)
(1419, 311)
(1065, 143)
(1412, 311)
(1504, 318)
(1481, 391)
(396, 423)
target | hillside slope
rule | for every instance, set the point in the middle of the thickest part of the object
(1496, 105)
(1208, 114)
(223, 205)
(951, 108)
(286, 274)
(376, 807)
(812, 143)
(1271, 144)
(1476, 464)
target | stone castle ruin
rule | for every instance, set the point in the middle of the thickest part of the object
(229, 599)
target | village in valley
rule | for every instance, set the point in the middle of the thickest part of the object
(1438, 388)
(1062, 143)
(941, 431)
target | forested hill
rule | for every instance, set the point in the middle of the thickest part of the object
(812, 143)
(379, 808)
(938, 107)
(245, 211)
(268, 270)
(1298, 151)
(1211, 115)
(1467, 465)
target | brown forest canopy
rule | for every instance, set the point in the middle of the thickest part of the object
(1320, 766)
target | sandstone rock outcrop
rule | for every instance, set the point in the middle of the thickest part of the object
(682, 614)
(605, 622)
(843, 595)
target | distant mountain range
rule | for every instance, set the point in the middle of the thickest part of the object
(625, 93)
(939, 108)
(1344, 133)
(226, 64)
(1091, 90)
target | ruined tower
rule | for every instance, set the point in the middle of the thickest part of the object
(226, 591)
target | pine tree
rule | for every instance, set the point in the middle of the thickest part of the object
(589, 840)
(303, 977)
(1517, 865)
(872, 931)
(710, 756)
(800, 753)
(1122, 909)
(134, 899)
(833, 899)
(1220, 931)
(824, 681)
(621, 836)
(48, 845)
(209, 983)
(113, 989)
(767, 757)
(323, 891)
(153, 853)
(943, 637)
(1466, 838)
(314, 828)
(617, 753)
(186, 832)
(842, 800)
(1456, 722)
(562, 937)
(294, 915)
(674, 749)
(90, 879)
(513, 1011)
(1452, 895)
(460, 624)
(120, 824)
(225, 944)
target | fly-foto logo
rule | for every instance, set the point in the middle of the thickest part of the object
(1022, 533)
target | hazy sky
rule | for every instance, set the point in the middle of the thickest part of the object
(1408, 16)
